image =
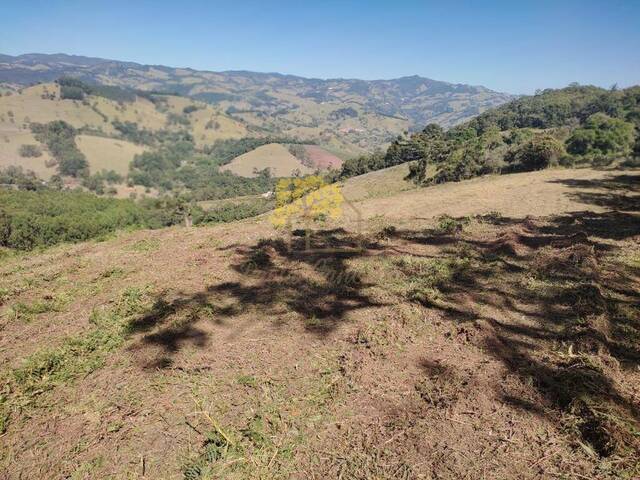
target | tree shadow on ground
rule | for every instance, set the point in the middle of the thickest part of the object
(557, 304)
(552, 300)
(273, 278)
(618, 192)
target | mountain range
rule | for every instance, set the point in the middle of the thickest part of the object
(366, 114)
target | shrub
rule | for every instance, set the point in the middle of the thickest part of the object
(30, 151)
(540, 152)
(69, 92)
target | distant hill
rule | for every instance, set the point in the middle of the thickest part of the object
(576, 125)
(110, 130)
(354, 115)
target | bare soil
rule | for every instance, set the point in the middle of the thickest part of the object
(499, 342)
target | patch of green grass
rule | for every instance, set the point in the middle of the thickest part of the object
(113, 272)
(146, 245)
(87, 469)
(4, 415)
(27, 311)
(248, 380)
(76, 356)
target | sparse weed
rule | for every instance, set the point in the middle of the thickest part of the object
(386, 232)
(247, 380)
(113, 272)
(146, 245)
(263, 444)
(424, 279)
(25, 312)
(375, 337)
(449, 225)
(76, 356)
(5, 294)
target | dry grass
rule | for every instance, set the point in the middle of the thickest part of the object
(381, 183)
(450, 348)
(534, 193)
(274, 156)
(10, 142)
(108, 153)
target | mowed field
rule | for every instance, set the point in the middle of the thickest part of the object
(500, 342)
(273, 156)
(534, 193)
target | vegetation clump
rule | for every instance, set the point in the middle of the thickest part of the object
(30, 151)
(59, 137)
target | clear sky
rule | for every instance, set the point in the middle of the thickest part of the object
(515, 46)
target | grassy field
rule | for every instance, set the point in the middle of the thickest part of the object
(380, 183)
(274, 156)
(108, 153)
(505, 334)
(10, 142)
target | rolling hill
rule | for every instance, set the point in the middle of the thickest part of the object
(358, 115)
(110, 131)
(273, 156)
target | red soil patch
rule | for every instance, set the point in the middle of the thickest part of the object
(320, 158)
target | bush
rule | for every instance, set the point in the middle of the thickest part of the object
(68, 92)
(30, 151)
(233, 211)
(13, 175)
(540, 152)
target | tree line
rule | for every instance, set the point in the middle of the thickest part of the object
(574, 125)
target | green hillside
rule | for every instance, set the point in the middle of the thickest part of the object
(577, 125)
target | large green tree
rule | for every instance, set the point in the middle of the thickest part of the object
(602, 134)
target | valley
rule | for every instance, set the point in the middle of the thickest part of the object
(239, 275)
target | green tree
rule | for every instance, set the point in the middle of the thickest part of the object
(540, 152)
(602, 134)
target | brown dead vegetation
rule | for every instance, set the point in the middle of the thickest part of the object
(486, 346)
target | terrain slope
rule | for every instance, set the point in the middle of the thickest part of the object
(500, 341)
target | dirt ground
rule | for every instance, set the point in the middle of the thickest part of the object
(500, 341)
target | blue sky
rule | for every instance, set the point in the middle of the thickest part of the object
(513, 46)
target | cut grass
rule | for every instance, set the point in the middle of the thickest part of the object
(264, 444)
(25, 312)
(76, 356)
